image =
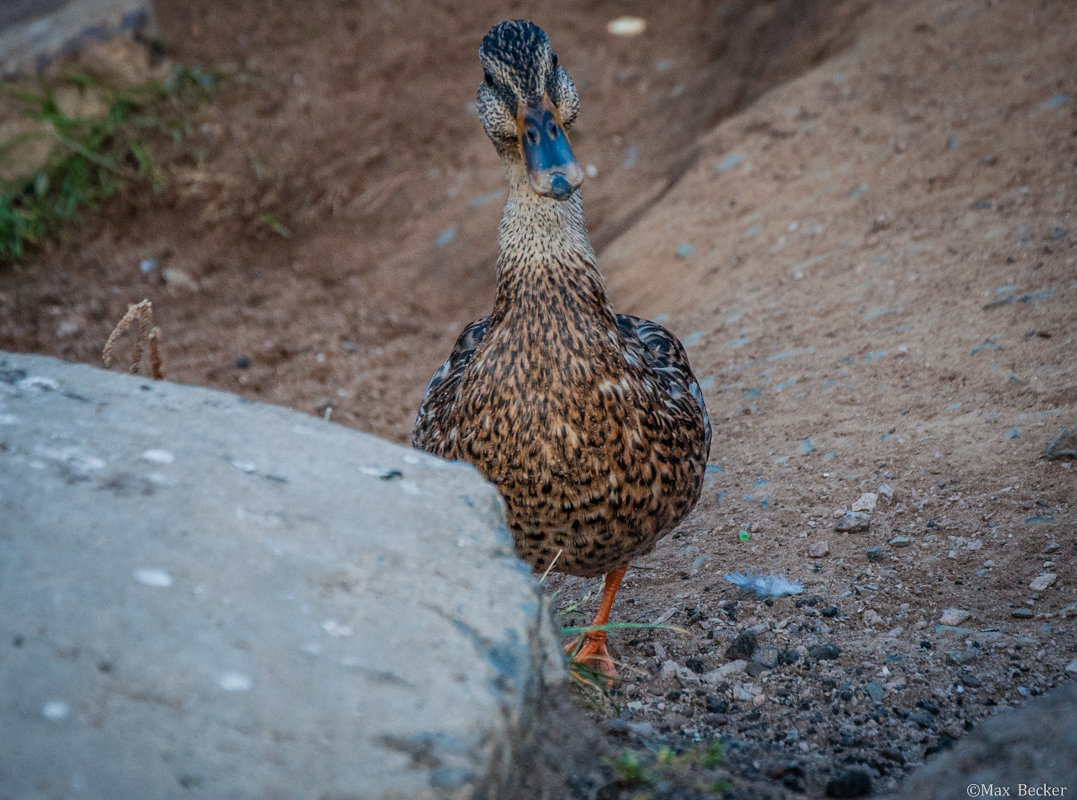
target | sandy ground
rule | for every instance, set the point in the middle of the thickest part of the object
(859, 217)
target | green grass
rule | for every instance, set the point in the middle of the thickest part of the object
(664, 773)
(89, 159)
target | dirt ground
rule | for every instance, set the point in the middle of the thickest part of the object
(860, 218)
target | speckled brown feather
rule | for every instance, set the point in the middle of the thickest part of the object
(590, 424)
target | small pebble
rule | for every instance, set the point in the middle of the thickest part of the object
(818, 549)
(853, 521)
(1043, 581)
(743, 645)
(921, 718)
(766, 657)
(742, 693)
(866, 502)
(899, 541)
(954, 616)
(685, 250)
(824, 652)
(725, 671)
(960, 657)
(875, 691)
(1022, 613)
(885, 493)
(1072, 666)
(716, 705)
(173, 276)
(875, 553)
(682, 673)
(788, 656)
(872, 618)
(626, 26)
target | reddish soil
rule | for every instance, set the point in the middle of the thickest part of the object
(859, 216)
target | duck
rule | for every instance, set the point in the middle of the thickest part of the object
(590, 423)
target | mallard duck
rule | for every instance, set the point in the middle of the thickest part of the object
(590, 423)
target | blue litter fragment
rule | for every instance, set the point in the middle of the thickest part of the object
(1043, 294)
(879, 312)
(729, 161)
(1054, 102)
(445, 236)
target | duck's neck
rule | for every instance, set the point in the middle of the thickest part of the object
(544, 247)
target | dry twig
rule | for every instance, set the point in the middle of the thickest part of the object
(146, 337)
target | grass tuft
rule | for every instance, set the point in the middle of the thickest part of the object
(663, 772)
(67, 156)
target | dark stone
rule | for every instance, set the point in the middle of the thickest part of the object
(851, 783)
(788, 656)
(715, 705)
(824, 652)
(742, 646)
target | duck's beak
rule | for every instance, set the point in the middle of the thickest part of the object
(551, 166)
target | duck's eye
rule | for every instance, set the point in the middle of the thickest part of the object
(486, 76)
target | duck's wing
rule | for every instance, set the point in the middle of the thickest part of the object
(664, 354)
(440, 392)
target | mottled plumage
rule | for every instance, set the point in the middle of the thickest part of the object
(591, 424)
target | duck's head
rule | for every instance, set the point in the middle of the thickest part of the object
(525, 103)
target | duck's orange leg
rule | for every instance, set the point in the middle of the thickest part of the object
(594, 653)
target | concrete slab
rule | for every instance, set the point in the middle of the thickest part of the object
(205, 597)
